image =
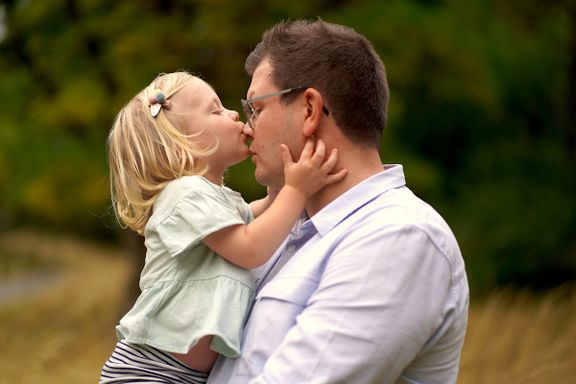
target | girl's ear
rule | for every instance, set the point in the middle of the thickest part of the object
(314, 104)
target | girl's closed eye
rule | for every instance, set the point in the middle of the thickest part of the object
(216, 107)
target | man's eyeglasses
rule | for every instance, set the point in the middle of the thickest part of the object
(252, 114)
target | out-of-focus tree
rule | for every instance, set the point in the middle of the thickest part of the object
(482, 111)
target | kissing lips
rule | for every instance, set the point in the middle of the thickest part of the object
(254, 156)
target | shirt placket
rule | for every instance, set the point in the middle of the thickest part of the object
(297, 238)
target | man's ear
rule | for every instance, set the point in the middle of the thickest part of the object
(313, 103)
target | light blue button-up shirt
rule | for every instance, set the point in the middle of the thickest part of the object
(371, 289)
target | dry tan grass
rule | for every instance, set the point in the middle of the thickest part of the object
(64, 334)
(516, 337)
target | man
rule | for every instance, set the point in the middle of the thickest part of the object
(370, 286)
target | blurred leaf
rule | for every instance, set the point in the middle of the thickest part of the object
(481, 109)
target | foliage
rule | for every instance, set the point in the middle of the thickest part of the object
(482, 113)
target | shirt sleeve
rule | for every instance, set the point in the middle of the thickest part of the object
(379, 300)
(193, 218)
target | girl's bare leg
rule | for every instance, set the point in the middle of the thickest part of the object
(200, 358)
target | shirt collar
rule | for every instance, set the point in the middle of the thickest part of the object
(356, 197)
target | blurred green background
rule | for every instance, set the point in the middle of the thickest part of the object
(482, 110)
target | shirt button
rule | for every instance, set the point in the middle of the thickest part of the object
(292, 248)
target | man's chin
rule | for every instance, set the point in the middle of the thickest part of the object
(261, 177)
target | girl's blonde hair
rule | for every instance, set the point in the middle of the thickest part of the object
(145, 153)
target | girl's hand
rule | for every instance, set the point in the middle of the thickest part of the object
(311, 172)
(272, 192)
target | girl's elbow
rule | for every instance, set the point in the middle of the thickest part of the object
(251, 263)
(247, 259)
(254, 260)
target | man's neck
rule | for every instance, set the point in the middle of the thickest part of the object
(360, 165)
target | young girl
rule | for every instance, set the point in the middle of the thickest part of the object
(168, 151)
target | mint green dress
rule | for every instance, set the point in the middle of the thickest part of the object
(188, 291)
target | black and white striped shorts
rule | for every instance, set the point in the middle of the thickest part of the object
(132, 363)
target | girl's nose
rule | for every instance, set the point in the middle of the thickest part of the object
(235, 115)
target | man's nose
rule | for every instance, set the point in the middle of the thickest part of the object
(248, 131)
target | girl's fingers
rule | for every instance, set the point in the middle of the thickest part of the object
(285, 153)
(330, 163)
(308, 148)
(320, 152)
(336, 176)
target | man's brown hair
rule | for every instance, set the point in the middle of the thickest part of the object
(337, 61)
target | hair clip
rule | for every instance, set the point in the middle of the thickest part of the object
(158, 100)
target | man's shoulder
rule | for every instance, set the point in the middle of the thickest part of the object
(396, 210)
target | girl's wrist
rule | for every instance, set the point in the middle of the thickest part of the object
(273, 192)
(294, 194)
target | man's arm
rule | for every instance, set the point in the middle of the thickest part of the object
(380, 299)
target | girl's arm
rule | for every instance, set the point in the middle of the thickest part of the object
(251, 245)
(260, 205)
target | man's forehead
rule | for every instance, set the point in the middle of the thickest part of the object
(261, 79)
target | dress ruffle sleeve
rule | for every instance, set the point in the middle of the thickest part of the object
(195, 217)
